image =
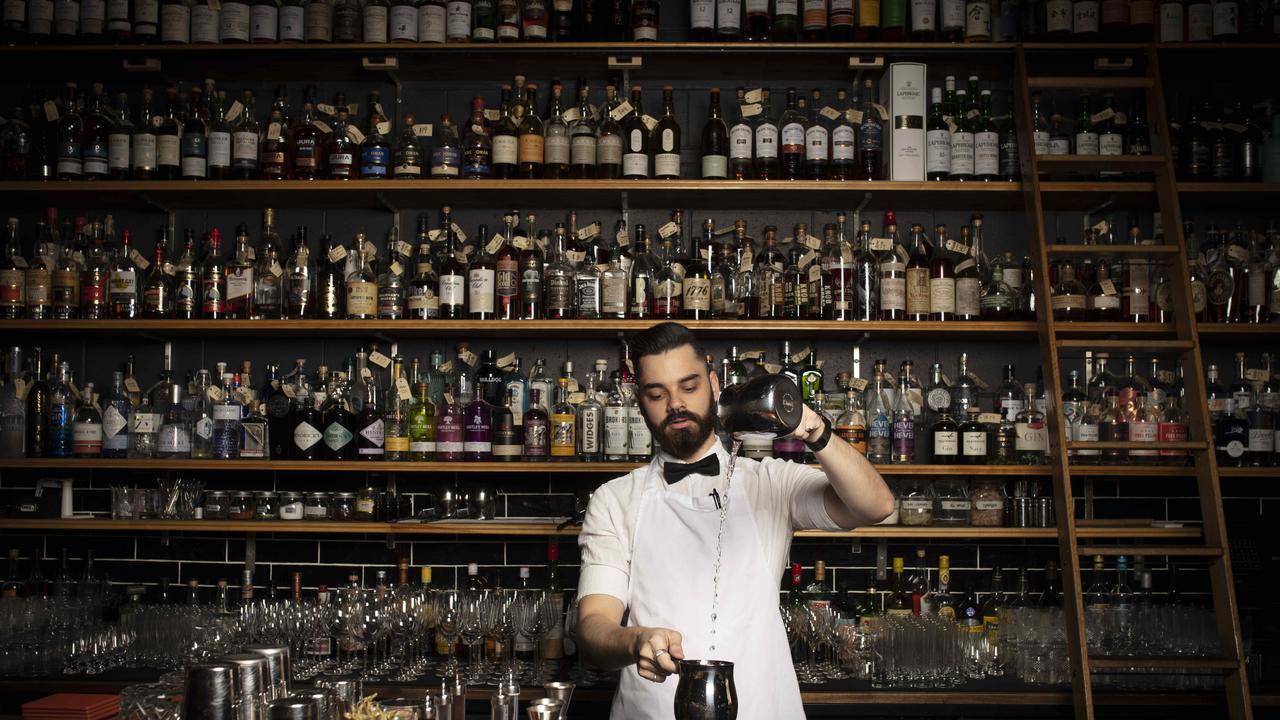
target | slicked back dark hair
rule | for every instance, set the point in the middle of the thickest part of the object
(663, 337)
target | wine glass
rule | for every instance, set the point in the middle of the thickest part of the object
(471, 628)
(448, 608)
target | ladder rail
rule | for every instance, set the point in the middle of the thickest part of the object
(1069, 558)
(1199, 424)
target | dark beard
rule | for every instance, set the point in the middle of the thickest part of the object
(683, 442)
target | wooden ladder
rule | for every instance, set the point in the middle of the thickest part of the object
(1213, 548)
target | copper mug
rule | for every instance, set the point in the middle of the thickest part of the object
(706, 690)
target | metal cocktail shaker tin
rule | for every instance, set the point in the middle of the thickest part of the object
(251, 673)
(706, 691)
(211, 693)
(328, 705)
(279, 669)
(292, 708)
(346, 688)
(766, 405)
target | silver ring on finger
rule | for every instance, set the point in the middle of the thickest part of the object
(659, 653)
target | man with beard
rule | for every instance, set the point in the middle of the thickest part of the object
(650, 537)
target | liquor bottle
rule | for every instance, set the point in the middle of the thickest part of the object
(851, 425)
(361, 286)
(556, 141)
(558, 279)
(759, 22)
(793, 139)
(343, 147)
(636, 139)
(893, 272)
(158, 291)
(1103, 298)
(904, 434)
(728, 20)
(531, 141)
(899, 601)
(1032, 443)
(871, 137)
(422, 426)
(918, 278)
(817, 140)
(962, 141)
(937, 140)
(666, 137)
(37, 408)
(893, 20)
(69, 137)
(609, 139)
(37, 279)
(583, 143)
(715, 143)
(122, 296)
(446, 154)
(1070, 297)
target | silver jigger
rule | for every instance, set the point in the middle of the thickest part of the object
(328, 705)
(441, 702)
(500, 705)
(457, 689)
(562, 692)
(292, 709)
(211, 692)
(706, 691)
(346, 689)
(767, 405)
(251, 674)
(544, 709)
(279, 669)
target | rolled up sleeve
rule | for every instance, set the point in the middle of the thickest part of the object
(802, 490)
(606, 562)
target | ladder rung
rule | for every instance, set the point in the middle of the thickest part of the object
(1163, 663)
(1128, 250)
(1104, 162)
(1074, 83)
(1130, 445)
(1151, 550)
(1127, 344)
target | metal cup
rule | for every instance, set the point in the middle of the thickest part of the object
(1044, 512)
(251, 674)
(328, 706)
(767, 405)
(291, 708)
(441, 701)
(562, 692)
(706, 691)
(279, 669)
(544, 709)
(211, 692)
(345, 688)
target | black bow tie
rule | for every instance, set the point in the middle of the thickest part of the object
(674, 472)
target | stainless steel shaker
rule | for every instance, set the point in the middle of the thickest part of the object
(279, 668)
(211, 692)
(766, 405)
(706, 691)
(252, 691)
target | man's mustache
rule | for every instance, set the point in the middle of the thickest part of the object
(682, 415)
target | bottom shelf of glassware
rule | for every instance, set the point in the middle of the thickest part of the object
(992, 691)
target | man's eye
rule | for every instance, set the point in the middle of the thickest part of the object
(690, 388)
(655, 397)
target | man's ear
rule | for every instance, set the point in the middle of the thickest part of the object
(715, 386)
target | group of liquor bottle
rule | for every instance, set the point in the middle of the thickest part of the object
(1245, 416)
(1235, 277)
(1108, 131)
(1226, 143)
(962, 141)
(318, 21)
(485, 21)
(205, 134)
(84, 270)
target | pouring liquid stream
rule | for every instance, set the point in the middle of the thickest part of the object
(724, 515)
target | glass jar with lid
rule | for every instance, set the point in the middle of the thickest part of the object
(290, 506)
(915, 501)
(316, 507)
(240, 506)
(367, 504)
(343, 506)
(988, 498)
(264, 505)
(215, 505)
(951, 501)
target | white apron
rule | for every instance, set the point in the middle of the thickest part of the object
(671, 586)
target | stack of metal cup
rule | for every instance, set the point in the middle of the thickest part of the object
(279, 669)
(291, 708)
(561, 692)
(252, 691)
(211, 692)
(544, 709)
(347, 689)
(328, 704)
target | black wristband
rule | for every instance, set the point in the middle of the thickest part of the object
(823, 439)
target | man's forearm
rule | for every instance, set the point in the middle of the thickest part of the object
(856, 483)
(605, 644)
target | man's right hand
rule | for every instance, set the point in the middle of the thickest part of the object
(656, 651)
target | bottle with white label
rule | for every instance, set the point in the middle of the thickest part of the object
(234, 22)
(1171, 21)
(1086, 139)
(635, 139)
(767, 137)
(1084, 19)
(702, 20)
(1032, 443)
(817, 140)
(937, 140)
(962, 150)
(666, 137)
(375, 16)
(264, 21)
(741, 140)
(117, 417)
(986, 142)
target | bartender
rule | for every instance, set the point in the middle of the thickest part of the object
(649, 541)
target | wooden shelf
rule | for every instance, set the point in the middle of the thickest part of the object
(653, 194)
(1250, 472)
(984, 330)
(1228, 188)
(1077, 163)
(1096, 251)
(549, 527)
(1088, 328)
(1237, 331)
(1158, 471)
(323, 466)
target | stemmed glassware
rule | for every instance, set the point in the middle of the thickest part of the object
(448, 612)
(535, 616)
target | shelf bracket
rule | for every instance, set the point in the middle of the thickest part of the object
(857, 212)
(391, 541)
(1106, 63)
(625, 64)
(861, 63)
(145, 65)
(1111, 200)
